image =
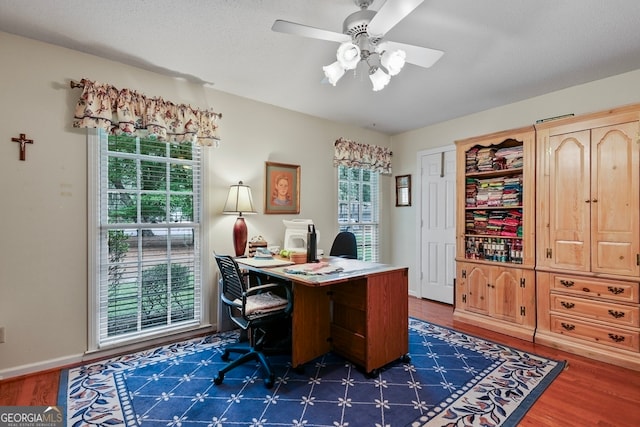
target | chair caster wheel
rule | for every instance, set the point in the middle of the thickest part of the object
(268, 382)
(406, 358)
(299, 370)
(218, 379)
(373, 374)
(225, 356)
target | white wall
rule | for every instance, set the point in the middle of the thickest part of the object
(595, 96)
(43, 236)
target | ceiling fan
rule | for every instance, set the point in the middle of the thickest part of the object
(362, 40)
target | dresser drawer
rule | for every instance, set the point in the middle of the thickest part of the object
(605, 335)
(609, 289)
(605, 311)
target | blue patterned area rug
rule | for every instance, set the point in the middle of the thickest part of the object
(453, 379)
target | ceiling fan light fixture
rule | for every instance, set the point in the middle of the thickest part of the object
(378, 78)
(333, 72)
(393, 61)
(348, 55)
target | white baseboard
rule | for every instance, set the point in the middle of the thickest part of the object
(78, 359)
(41, 366)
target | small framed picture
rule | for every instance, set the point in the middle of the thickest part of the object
(282, 188)
(403, 190)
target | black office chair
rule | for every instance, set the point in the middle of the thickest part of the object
(253, 309)
(345, 246)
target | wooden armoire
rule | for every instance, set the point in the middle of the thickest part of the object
(569, 277)
(588, 235)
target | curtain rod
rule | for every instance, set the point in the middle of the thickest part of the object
(74, 84)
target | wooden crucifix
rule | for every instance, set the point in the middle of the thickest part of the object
(23, 148)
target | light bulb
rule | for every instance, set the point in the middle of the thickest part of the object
(333, 72)
(393, 61)
(348, 55)
(378, 78)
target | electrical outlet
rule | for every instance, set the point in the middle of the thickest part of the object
(1, 334)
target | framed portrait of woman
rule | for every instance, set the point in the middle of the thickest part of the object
(282, 188)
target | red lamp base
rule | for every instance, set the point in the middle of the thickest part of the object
(240, 236)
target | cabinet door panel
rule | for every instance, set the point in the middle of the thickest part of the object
(478, 282)
(506, 290)
(569, 217)
(615, 210)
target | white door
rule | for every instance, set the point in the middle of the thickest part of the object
(437, 220)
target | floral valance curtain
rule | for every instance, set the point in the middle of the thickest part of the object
(364, 156)
(124, 111)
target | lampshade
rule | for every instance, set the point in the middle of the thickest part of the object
(393, 61)
(378, 78)
(348, 55)
(239, 200)
(333, 72)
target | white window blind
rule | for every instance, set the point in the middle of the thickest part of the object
(358, 209)
(148, 254)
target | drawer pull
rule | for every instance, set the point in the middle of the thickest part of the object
(568, 304)
(616, 338)
(616, 314)
(615, 291)
(566, 283)
(586, 290)
(568, 326)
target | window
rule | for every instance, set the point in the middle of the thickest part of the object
(146, 218)
(358, 195)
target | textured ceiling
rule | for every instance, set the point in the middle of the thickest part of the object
(496, 51)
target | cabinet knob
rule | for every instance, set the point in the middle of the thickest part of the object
(595, 200)
(615, 290)
(616, 314)
(616, 338)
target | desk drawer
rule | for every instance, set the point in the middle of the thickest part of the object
(609, 312)
(349, 344)
(610, 336)
(609, 289)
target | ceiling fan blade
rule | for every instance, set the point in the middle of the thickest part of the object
(307, 31)
(416, 55)
(391, 12)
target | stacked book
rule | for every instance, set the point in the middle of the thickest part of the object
(493, 192)
(512, 191)
(471, 191)
(506, 223)
(490, 159)
(484, 159)
(477, 222)
(512, 157)
(490, 192)
(472, 160)
(512, 224)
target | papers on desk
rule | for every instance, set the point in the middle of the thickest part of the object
(313, 269)
(263, 262)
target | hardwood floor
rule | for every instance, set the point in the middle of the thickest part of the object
(586, 393)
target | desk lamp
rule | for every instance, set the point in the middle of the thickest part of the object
(239, 201)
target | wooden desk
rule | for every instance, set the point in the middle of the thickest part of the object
(361, 313)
